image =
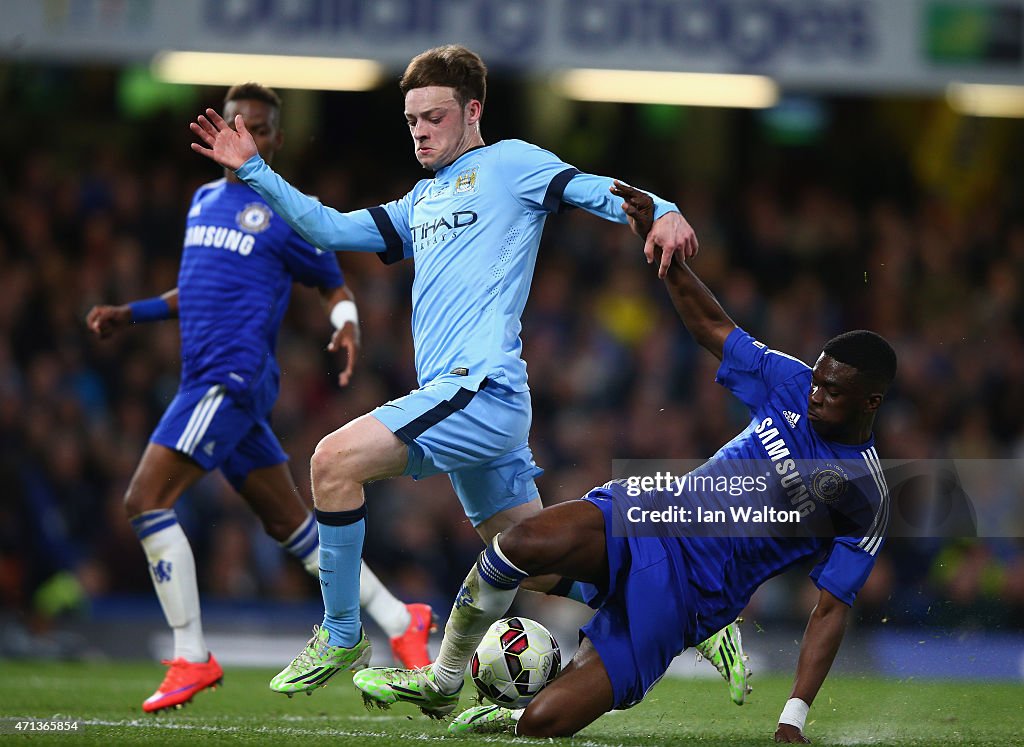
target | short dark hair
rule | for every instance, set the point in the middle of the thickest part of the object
(254, 92)
(868, 352)
(451, 66)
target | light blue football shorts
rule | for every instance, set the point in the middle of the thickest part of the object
(479, 438)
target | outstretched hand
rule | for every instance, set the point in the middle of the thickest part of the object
(676, 239)
(637, 205)
(670, 233)
(347, 339)
(228, 147)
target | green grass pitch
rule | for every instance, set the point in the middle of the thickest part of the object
(106, 698)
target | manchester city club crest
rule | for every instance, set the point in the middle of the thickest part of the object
(829, 482)
(465, 183)
(254, 218)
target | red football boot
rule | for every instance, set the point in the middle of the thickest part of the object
(410, 648)
(184, 679)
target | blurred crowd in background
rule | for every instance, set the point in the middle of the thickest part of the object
(92, 208)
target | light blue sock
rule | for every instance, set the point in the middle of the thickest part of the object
(569, 589)
(576, 592)
(341, 553)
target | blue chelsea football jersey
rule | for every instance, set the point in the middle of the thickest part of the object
(237, 268)
(838, 489)
(826, 481)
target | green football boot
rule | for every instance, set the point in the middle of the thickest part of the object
(384, 686)
(725, 650)
(485, 719)
(318, 662)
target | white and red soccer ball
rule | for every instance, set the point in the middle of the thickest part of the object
(515, 660)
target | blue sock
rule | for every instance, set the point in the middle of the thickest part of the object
(341, 552)
(150, 522)
(496, 570)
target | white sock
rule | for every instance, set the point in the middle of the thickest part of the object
(312, 563)
(386, 610)
(173, 571)
(478, 606)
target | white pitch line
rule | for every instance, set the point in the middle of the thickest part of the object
(157, 723)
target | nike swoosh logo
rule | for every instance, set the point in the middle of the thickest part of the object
(180, 689)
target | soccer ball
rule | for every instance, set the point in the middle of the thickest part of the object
(515, 660)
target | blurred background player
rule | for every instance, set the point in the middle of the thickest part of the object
(237, 270)
(658, 594)
(471, 416)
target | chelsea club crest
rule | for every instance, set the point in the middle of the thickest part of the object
(829, 482)
(253, 218)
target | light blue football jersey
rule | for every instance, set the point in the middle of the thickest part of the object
(473, 232)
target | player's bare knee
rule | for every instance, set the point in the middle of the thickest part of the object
(133, 504)
(138, 501)
(331, 460)
(278, 530)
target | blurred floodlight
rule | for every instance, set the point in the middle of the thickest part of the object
(679, 89)
(277, 71)
(979, 100)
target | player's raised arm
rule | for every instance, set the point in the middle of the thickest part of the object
(341, 306)
(699, 309)
(697, 306)
(818, 650)
(669, 236)
(322, 226)
(103, 320)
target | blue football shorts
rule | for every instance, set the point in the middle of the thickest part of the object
(208, 425)
(645, 613)
(478, 438)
